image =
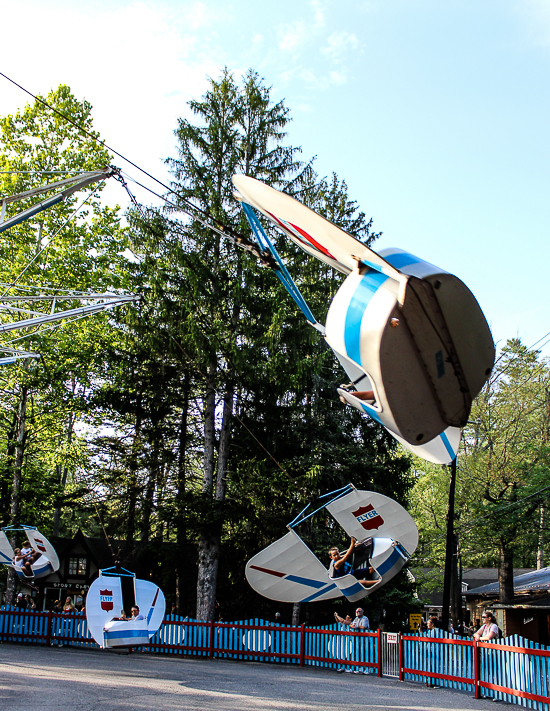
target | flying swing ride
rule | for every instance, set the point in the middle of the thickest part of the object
(410, 336)
(117, 589)
(36, 560)
(386, 537)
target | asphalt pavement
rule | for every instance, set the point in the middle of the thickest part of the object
(34, 678)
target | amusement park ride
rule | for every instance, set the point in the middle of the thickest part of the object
(410, 336)
(44, 558)
(117, 589)
(386, 536)
(414, 344)
(16, 300)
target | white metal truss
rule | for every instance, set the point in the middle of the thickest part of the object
(70, 185)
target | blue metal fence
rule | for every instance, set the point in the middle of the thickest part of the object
(514, 669)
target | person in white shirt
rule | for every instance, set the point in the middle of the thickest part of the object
(361, 622)
(136, 615)
(489, 629)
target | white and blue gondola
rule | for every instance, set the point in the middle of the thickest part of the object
(47, 562)
(112, 594)
(408, 331)
(289, 571)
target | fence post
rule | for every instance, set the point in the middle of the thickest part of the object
(379, 644)
(211, 645)
(400, 643)
(477, 691)
(302, 644)
(49, 628)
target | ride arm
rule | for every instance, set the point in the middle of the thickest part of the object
(73, 184)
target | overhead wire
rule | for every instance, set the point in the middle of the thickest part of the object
(94, 137)
(496, 512)
(232, 236)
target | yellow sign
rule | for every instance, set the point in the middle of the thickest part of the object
(414, 621)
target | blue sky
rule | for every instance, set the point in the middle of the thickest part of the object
(435, 113)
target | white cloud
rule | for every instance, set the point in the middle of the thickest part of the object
(137, 63)
(338, 77)
(338, 44)
(292, 37)
(318, 12)
(202, 16)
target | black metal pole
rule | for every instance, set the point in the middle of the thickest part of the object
(449, 549)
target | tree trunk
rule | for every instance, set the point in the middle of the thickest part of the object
(208, 602)
(506, 572)
(181, 527)
(133, 481)
(20, 436)
(456, 587)
(152, 483)
(208, 546)
(296, 614)
(8, 464)
(540, 551)
(62, 478)
(62, 472)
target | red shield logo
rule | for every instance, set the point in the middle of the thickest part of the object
(106, 599)
(368, 517)
(40, 545)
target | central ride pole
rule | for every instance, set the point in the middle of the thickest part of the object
(450, 550)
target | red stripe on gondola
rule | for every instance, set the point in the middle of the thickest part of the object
(305, 235)
(271, 572)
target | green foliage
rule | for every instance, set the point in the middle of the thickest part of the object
(503, 469)
(56, 252)
(122, 403)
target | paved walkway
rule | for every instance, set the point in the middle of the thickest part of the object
(46, 679)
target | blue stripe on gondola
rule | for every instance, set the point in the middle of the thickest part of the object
(401, 259)
(35, 572)
(371, 412)
(366, 289)
(388, 564)
(123, 634)
(305, 581)
(447, 444)
(3, 555)
(319, 593)
(353, 589)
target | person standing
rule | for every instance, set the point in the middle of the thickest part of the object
(489, 629)
(361, 622)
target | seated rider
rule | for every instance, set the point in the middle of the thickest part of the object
(367, 395)
(136, 615)
(339, 566)
(29, 553)
(21, 561)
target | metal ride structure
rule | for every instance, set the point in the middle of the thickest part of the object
(28, 303)
(407, 332)
(387, 536)
(46, 563)
(117, 589)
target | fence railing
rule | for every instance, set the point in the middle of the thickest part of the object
(514, 670)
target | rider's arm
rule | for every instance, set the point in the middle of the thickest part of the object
(339, 563)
